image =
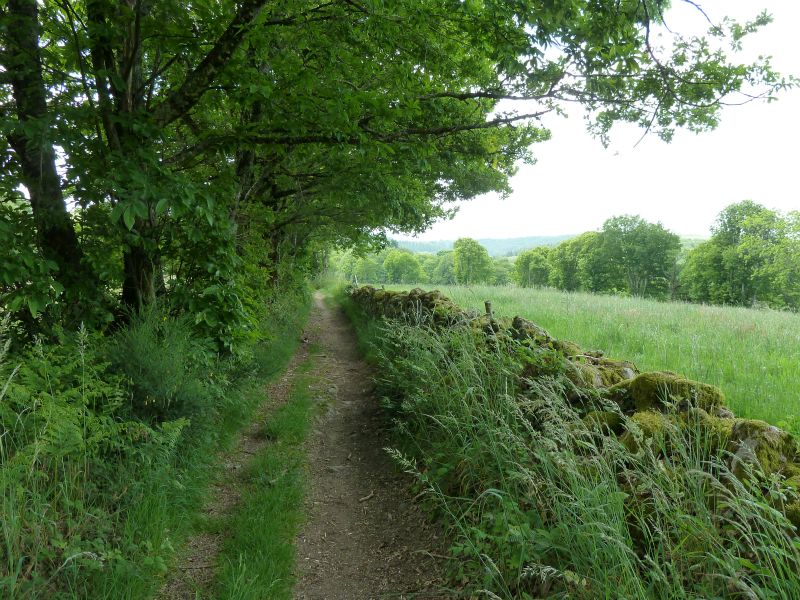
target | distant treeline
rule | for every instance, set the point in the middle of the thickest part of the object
(495, 247)
(752, 258)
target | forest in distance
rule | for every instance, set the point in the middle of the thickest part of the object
(176, 178)
(751, 259)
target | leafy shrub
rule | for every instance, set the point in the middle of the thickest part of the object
(65, 449)
(169, 369)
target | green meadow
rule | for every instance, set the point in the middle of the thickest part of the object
(753, 355)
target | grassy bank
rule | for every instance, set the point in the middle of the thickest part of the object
(753, 355)
(258, 557)
(108, 444)
(542, 504)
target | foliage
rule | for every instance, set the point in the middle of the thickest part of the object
(26, 278)
(471, 262)
(750, 259)
(402, 266)
(171, 372)
(501, 271)
(106, 449)
(532, 267)
(189, 134)
(444, 272)
(567, 270)
(645, 253)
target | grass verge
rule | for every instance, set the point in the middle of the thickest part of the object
(106, 456)
(173, 494)
(541, 504)
(258, 556)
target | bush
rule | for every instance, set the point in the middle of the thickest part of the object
(65, 453)
(169, 369)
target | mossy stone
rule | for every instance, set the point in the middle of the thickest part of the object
(583, 375)
(791, 471)
(605, 422)
(654, 390)
(716, 431)
(762, 445)
(613, 371)
(652, 425)
(523, 330)
(568, 349)
(793, 513)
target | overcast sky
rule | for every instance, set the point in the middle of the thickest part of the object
(577, 184)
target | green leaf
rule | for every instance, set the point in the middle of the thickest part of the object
(36, 304)
(116, 212)
(161, 206)
(129, 218)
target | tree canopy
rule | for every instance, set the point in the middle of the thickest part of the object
(471, 262)
(752, 257)
(207, 146)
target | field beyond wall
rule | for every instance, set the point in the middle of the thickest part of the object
(753, 355)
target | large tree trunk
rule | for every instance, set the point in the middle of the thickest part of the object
(139, 285)
(34, 147)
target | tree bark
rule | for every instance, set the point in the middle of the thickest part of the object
(33, 146)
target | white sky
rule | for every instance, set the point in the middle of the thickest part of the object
(577, 184)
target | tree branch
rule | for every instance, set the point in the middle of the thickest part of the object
(182, 99)
(330, 139)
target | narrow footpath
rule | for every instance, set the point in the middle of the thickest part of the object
(365, 538)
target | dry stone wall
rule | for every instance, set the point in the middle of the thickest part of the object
(651, 401)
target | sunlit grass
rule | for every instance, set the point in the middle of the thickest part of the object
(753, 355)
(538, 505)
(258, 557)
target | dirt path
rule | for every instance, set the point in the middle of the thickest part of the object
(365, 538)
(194, 576)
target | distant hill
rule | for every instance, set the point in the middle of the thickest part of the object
(690, 242)
(496, 247)
(513, 246)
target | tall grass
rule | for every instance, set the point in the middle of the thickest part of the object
(543, 505)
(753, 355)
(107, 446)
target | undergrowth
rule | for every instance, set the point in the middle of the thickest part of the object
(107, 444)
(542, 505)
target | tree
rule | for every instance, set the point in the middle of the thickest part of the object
(369, 269)
(501, 271)
(699, 280)
(402, 266)
(471, 262)
(429, 263)
(750, 258)
(567, 272)
(30, 137)
(744, 233)
(444, 273)
(532, 267)
(203, 140)
(645, 253)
